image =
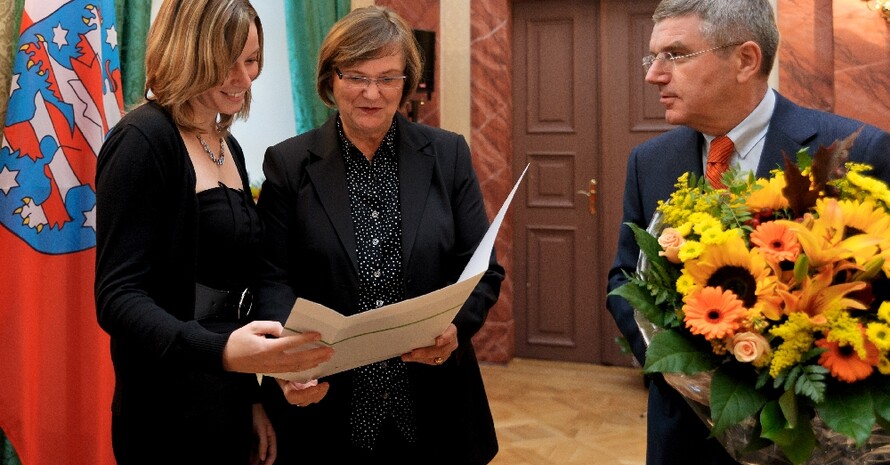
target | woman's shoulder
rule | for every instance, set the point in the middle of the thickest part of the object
(148, 118)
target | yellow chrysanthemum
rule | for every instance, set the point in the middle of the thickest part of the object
(685, 284)
(690, 250)
(884, 311)
(879, 334)
(884, 366)
(713, 236)
(702, 222)
(684, 229)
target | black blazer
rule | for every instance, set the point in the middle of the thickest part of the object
(652, 171)
(310, 252)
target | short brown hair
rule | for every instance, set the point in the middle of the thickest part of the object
(191, 47)
(365, 34)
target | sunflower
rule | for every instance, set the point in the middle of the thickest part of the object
(864, 218)
(713, 313)
(731, 267)
(767, 193)
(844, 363)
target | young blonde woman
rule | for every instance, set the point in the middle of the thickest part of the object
(177, 233)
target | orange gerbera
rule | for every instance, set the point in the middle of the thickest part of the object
(844, 363)
(713, 313)
(776, 242)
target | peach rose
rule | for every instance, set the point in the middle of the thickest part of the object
(749, 347)
(671, 240)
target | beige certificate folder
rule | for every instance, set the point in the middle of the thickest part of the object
(392, 330)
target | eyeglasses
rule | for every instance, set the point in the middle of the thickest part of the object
(670, 58)
(363, 82)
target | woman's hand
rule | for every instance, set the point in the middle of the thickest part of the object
(249, 350)
(303, 394)
(266, 445)
(438, 353)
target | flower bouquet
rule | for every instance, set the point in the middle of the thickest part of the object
(765, 304)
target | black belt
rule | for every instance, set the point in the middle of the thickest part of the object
(215, 304)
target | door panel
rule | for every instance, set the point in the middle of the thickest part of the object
(555, 126)
(580, 105)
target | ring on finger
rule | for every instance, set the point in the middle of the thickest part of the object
(439, 360)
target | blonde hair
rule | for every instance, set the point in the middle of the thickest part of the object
(191, 47)
(365, 34)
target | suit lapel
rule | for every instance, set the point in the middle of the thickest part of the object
(788, 132)
(327, 172)
(415, 175)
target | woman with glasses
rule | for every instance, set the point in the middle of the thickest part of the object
(368, 210)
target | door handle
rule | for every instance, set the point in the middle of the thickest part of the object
(591, 196)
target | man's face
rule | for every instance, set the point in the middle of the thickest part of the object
(694, 90)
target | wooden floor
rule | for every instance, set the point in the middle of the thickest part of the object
(567, 413)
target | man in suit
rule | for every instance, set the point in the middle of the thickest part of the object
(711, 60)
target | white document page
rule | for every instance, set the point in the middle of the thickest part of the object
(392, 330)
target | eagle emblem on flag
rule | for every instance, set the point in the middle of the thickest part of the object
(64, 97)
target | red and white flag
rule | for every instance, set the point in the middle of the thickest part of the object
(56, 379)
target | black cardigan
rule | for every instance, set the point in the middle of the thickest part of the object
(146, 234)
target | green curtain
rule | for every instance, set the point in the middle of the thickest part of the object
(9, 42)
(7, 452)
(307, 22)
(133, 21)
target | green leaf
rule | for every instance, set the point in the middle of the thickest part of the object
(850, 412)
(774, 424)
(788, 403)
(661, 274)
(801, 268)
(641, 299)
(733, 397)
(811, 383)
(794, 436)
(647, 242)
(671, 352)
(880, 394)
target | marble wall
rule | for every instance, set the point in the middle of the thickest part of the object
(491, 137)
(421, 14)
(835, 56)
(491, 92)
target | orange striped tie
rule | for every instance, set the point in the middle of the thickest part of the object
(718, 160)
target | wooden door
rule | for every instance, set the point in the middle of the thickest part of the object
(580, 105)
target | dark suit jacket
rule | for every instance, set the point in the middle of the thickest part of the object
(652, 171)
(310, 252)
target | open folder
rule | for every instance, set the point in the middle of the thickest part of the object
(392, 330)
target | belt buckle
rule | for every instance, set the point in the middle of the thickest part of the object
(246, 297)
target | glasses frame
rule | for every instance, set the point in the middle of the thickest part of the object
(669, 57)
(355, 81)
